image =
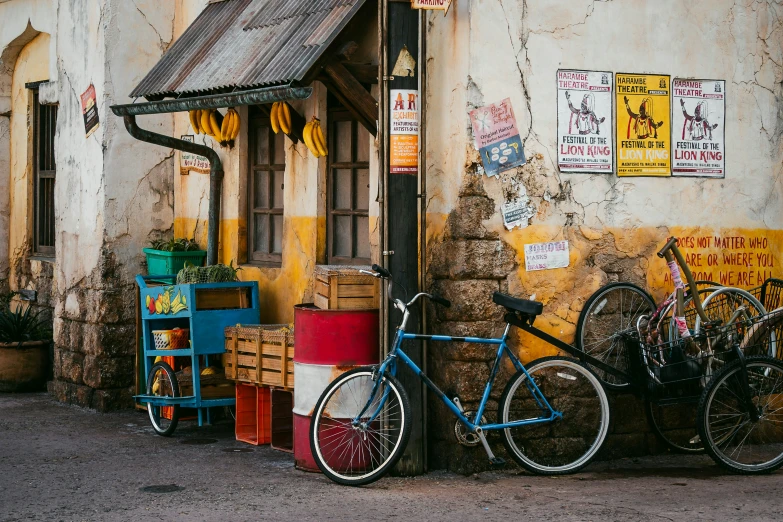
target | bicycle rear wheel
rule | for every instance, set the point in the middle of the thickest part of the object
(569, 443)
(353, 450)
(610, 311)
(733, 439)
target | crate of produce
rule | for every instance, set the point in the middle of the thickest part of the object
(260, 354)
(214, 384)
(282, 420)
(253, 414)
(345, 288)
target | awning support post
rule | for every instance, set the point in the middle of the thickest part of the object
(215, 176)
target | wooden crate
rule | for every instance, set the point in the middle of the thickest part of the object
(344, 288)
(260, 354)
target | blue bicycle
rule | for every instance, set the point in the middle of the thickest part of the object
(554, 413)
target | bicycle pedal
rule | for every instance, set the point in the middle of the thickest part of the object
(497, 462)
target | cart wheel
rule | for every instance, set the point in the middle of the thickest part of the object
(162, 382)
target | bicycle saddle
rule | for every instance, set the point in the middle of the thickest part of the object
(519, 305)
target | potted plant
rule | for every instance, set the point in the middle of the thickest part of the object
(167, 257)
(24, 347)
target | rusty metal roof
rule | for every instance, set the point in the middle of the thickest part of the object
(244, 44)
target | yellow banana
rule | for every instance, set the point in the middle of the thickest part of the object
(319, 138)
(213, 122)
(193, 115)
(285, 120)
(235, 130)
(225, 128)
(273, 117)
(307, 135)
(205, 125)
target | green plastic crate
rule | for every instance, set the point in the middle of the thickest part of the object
(160, 262)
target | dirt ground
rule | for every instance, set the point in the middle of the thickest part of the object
(63, 463)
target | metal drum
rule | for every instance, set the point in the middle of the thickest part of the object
(327, 344)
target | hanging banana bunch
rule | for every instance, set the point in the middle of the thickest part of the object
(280, 117)
(229, 129)
(224, 129)
(314, 138)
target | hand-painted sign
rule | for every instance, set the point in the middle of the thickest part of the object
(546, 256)
(584, 136)
(497, 137)
(439, 5)
(404, 133)
(643, 135)
(194, 162)
(698, 128)
(89, 110)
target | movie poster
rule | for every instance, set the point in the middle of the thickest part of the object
(584, 121)
(643, 125)
(698, 128)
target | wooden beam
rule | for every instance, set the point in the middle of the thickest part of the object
(363, 72)
(371, 127)
(350, 89)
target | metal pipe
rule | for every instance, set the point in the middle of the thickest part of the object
(215, 175)
(215, 101)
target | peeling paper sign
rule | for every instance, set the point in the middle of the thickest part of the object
(584, 121)
(698, 128)
(89, 110)
(194, 162)
(404, 133)
(517, 213)
(546, 256)
(643, 118)
(497, 137)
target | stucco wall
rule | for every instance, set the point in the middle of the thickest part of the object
(112, 193)
(485, 51)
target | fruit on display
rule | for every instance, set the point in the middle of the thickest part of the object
(229, 130)
(210, 370)
(204, 124)
(194, 121)
(314, 138)
(280, 117)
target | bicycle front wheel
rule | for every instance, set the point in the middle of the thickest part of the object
(359, 430)
(611, 310)
(734, 439)
(570, 442)
(675, 425)
(162, 382)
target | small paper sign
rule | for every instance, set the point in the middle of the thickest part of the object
(517, 213)
(437, 5)
(194, 162)
(546, 256)
(89, 110)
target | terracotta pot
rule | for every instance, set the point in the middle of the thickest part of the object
(23, 367)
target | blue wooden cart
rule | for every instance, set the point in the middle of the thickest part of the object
(206, 310)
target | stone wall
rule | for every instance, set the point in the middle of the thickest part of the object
(483, 52)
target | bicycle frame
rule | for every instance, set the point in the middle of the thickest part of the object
(390, 365)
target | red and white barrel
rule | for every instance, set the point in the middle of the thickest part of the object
(327, 344)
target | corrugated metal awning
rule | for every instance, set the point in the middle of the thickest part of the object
(245, 44)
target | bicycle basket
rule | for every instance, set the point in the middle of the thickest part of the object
(770, 294)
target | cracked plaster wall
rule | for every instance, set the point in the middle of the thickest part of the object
(487, 50)
(112, 194)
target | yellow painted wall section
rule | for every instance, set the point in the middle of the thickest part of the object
(32, 65)
(732, 257)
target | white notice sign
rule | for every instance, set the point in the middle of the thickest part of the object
(546, 256)
(584, 121)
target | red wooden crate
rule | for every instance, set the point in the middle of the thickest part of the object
(253, 412)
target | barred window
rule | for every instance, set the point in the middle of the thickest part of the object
(44, 125)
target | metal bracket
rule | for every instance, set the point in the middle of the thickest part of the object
(388, 252)
(388, 78)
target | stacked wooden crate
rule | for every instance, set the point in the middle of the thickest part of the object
(345, 288)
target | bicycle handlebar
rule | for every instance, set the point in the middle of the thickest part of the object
(669, 244)
(381, 270)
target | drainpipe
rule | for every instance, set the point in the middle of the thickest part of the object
(215, 176)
